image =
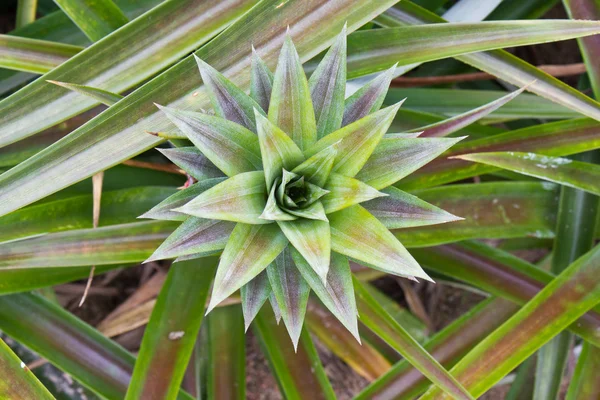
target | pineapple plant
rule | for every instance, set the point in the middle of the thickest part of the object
(291, 181)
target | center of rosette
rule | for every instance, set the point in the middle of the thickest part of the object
(293, 197)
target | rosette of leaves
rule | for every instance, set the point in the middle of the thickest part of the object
(293, 181)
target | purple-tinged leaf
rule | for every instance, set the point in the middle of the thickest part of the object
(231, 147)
(577, 174)
(261, 81)
(362, 358)
(250, 249)
(402, 210)
(567, 297)
(164, 209)
(396, 158)
(275, 307)
(241, 198)
(278, 150)
(195, 236)
(254, 294)
(192, 161)
(553, 139)
(312, 239)
(291, 292)
(454, 124)
(357, 141)
(226, 369)
(171, 333)
(229, 101)
(337, 294)
(327, 87)
(404, 382)
(299, 374)
(367, 99)
(290, 107)
(374, 316)
(359, 235)
(345, 192)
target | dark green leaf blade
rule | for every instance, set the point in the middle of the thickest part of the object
(171, 333)
(96, 19)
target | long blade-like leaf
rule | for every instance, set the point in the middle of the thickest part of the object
(226, 378)
(115, 142)
(171, 333)
(576, 174)
(585, 384)
(96, 19)
(560, 303)
(377, 319)
(299, 374)
(502, 64)
(18, 382)
(145, 38)
(33, 55)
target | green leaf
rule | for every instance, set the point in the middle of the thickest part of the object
(171, 333)
(456, 103)
(337, 294)
(312, 239)
(584, 384)
(501, 274)
(136, 43)
(357, 141)
(229, 101)
(368, 99)
(250, 249)
(239, 199)
(345, 192)
(359, 235)
(504, 65)
(261, 81)
(447, 346)
(226, 372)
(18, 382)
(299, 373)
(291, 292)
(317, 168)
(103, 96)
(194, 236)
(192, 161)
(277, 149)
(377, 319)
(26, 10)
(230, 146)
(254, 294)
(362, 358)
(114, 244)
(327, 88)
(554, 139)
(290, 107)
(96, 19)
(454, 124)
(69, 343)
(272, 212)
(580, 175)
(33, 55)
(553, 309)
(396, 158)
(402, 210)
(164, 209)
(315, 211)
(75, 212)
(117, 134)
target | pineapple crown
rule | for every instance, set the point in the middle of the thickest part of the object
(293, 181)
